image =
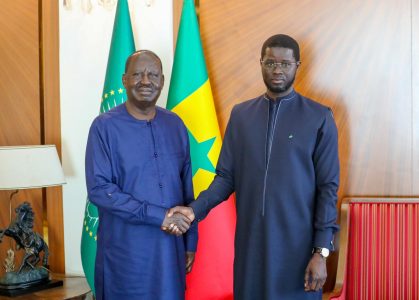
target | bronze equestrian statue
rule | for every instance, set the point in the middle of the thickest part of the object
(21, 230)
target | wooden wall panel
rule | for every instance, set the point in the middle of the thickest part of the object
(20, 121)
(19, 73)
(29, 101)
(50, 76)
(356, 58)
(177, 12)
(348, 51)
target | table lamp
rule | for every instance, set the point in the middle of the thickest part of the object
(27, 167)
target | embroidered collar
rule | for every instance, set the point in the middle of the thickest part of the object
(279, 99)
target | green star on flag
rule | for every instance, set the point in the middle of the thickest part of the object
(199, 154)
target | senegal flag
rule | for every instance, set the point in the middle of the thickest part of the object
(190, 97)
(122, 45)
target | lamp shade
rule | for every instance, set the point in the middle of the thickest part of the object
(28, 167)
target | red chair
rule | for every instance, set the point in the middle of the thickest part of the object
(379, 250)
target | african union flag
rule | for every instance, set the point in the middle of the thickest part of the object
(190, 97)
(122, 45)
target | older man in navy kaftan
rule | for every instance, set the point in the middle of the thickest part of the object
(135, 171)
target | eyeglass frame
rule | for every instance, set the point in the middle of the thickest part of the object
(283, 65)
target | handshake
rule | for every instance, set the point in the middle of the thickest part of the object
(178, 219)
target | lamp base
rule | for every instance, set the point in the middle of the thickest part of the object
(16, 290)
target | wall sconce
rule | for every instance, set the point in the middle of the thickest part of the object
(87, 6)
(149, 2)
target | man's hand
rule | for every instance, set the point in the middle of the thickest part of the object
(184, 210)
(190, 258)
(175, 223)
(316, 273)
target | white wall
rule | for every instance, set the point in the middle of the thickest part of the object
(84, 47)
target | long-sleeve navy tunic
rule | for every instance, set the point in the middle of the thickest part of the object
(286, 193)
(135, 171)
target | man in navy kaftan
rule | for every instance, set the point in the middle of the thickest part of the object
(280, 156)
(137, 166)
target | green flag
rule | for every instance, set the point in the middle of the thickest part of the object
(122, 45)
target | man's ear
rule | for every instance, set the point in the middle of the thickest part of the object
(124, 80)
(162, 80)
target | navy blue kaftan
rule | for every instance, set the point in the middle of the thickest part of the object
(135, 171)
(286, 193)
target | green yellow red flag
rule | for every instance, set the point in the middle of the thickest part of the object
(191, 98)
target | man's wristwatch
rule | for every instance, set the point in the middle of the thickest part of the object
(322, 251)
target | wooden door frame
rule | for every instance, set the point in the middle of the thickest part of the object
(51, 125)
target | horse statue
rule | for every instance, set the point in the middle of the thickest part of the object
(21, 230)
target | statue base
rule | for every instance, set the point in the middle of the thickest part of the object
(14, 283)
(11, 292)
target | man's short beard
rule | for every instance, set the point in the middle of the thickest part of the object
(278, 90)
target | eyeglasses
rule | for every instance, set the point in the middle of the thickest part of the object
(283, 65)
